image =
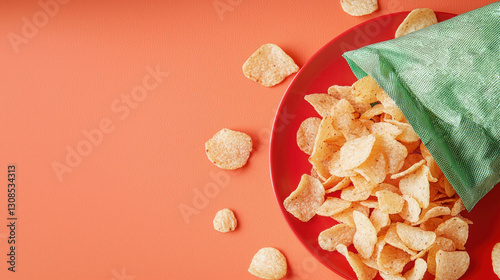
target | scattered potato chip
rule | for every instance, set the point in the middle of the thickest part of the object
(416, 20)
(225, 221)
(495, 259)
(365, 90)
(451, 265)
(418, 270)
(306, 134)
(392, 260)
(414, 237)
(365, 236)
(330, 238)
(332, 206)
(407, 133)
(268, 263)
(346, 122)
(229, 149)
(346, 216)
(455, 229)
(328, 141)
(443, 244)
(433, 211)
(394, 151)
(374, 168)
(322, 102)
(269, 65)
(417, 185)
(389, 202)
(306, 199)
(363, 272)
(359, 7)
(411, 210)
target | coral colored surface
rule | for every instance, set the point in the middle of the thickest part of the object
(105, 109)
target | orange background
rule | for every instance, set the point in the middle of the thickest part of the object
(117, 215)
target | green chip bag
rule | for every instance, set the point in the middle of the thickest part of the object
(446, 80)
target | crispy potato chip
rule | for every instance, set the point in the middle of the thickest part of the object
(345, 121)
(407, 133)
(390, 107)
(374, 168)
(411, 146)
(229, 149)
(410, 170)
(431, 163)
(330, 238)
(306, 199)
(432, 211)
(332, 206)
(431, 224)
(321, 102)
(224, 221)
(268, 263)
(414, 237)
(354, 194)
(365, 90)
(345, 92)
(441, 243)
(495, 259)
(451, 265)
(269, 65)
(346, 216)
(394, 151)
(331, 182)
(392, 238)
(455, 229)
(445, 184)
(385, 128)
(379, 219)
(365, 236)
(386, 187)
(372, 112)
(328, 141)
(363, 272)
(416, 20)
(370, 203)
(340, 185)
(306, 134)
(336, 169)
(417, 185)
(389, 202)
(356, 151)
(392, 260)
(359, 7)
(418, 270)
(387, 276)
(411, 209)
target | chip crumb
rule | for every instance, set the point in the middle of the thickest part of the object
(268, 263)
(229, 149)
(225, 221)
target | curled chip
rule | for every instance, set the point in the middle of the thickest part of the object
(416, 20)
(495, 259)
(268, 263)
(365, 236)
(451, 265)
(306, 199)
(229, 149)
(417, 185)
(379, 219)
(356, 151)
(455, 229)
(392, 260)
(411, 210)
(365, 90)
(321, 102)
(359, 7)
(306, 134)
(363, 272)
(269, 65)
(389, 202)
(414, 237)
(225, 221)
(410, 170)
(443, 244)
(332, 206)
(330, 238)
(418, 270)
(345, 92)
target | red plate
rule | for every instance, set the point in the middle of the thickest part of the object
(288, 163)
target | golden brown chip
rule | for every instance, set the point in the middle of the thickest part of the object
(433, 211)
(269, 65)
(330, 238)
(414, 237)
(340, 185)
(392, 238)
(385, 128)
(418, 270)
(387, 276)
(229, 149)
(379, 219)
(410, 170)
(365, 90)
(345, 121)
(455, 229)
(346, 216)
(224, 221)
(359, 7)
(451, 265)
(370, 203)
(321, 102)
(407, 133)
(495, 259)
(306, 134)
(411, 209)
(392, 260)
(366, 236)
(268, 263)
(354, 194)
(332, 206)
(345, 92)
(356, 151)
(394, 151)
(389, 202)
(328, 141)
(363, 272)
(431, 224)
(306, 199)
(416, 20)
(374, 168)
(441, 243)
(417, 185)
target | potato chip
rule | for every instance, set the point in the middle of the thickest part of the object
(306, 199)
(411, 210)
(306, 134)
(417, 185)
(392, 260)
(328, 141)
(359, 7)
(431, 224)
(379, 219)
(330, 238)
(392, 238)
(370, 203)
(441, 243)
(372, 112)
(365, 90)
(389, 202)
(229, 149)
(386, 187)
(410, 170)
(356, 151)
(385, 128)
(374, 168)
(340, 185)
(414, 237)
(345, 121)
(363, 272)
(411, 146)
(417, 272)
(387, 276)
(445, 184)
(451, 265)
(365, 236)
(407, 133)
(269, 65)
(433, 211)
(268, 263)
(455, 229)
(394, 151)
(335, 167)
(332, 206)
(346, 216)
(321, 102)
(354, 194)
(224, 221)
(495, 259)
(416, 20)
(345, 92)
(431, 163)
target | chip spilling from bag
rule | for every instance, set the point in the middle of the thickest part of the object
(268, 263)
(229, 149)
(416, 20)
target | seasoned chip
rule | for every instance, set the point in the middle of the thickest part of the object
(392, 238)
(387, 276)
(418, 270)
(417, 185)
(411, 209)
(365, 236)
(355, 194)
(340, 185)
(328, 141)
(441, 243)
(321, 102)
(365, 90)
(433, 211)
(379, 219)
(389, 202)
(407, 133)
(269, 65)
(346, 216)
(330, 238)
(345, 121)
(306, 199)
(416, 20)
(455, 229)
(414, 237)
(394, 151)
(370, 203)
(359, 7)
(431, 163)
(332, 206)
(374, 168)
(345, 92)
(385, 128)
(356, 151)
(392, 260)
(306, 134)
(268, 263)
(451, 265)
(372, 112)
(363, 272)
(225, 221)
(495, 259)
(410, 170)
(390, 107)
(229, 149)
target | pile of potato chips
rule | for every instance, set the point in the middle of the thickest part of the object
(372, 175)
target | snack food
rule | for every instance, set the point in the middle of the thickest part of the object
(229, 149)
(268, 263)
(359, 7)
(269, 65)
(495, 259)
(416, 20)
(225, 221)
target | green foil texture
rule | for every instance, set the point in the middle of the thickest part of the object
(446, 80)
